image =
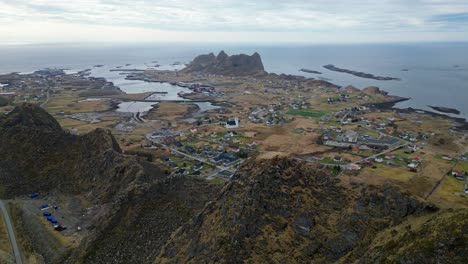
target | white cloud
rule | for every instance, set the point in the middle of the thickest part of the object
(305, 21)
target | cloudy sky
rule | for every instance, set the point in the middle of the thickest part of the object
(300, 21)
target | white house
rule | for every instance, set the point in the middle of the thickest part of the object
(232, 123)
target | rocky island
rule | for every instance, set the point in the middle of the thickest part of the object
(332, 67)
(310, 71)
(239, 65)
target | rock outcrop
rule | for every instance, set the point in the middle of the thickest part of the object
(373, 90)
(283, 211)
(38, 156)
(235, 65)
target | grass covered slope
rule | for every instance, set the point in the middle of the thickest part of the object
(438, 238)
(284, 211)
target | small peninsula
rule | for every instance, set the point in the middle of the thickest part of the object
(332, 67)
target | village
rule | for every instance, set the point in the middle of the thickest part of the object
(339, 129)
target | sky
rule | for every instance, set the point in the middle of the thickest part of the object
(262, 21)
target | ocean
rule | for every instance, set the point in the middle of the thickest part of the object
(437, 72)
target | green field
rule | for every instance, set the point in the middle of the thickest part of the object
(306, 113)
(461, 166)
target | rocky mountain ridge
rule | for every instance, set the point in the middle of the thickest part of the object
(283, 211)
(222, 64)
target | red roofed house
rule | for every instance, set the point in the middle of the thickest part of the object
(235, 149)
(251, 144)
(460, 175)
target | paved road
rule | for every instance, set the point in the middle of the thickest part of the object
(47, 99)
(383, 153)
(11, 233)
(221, 168)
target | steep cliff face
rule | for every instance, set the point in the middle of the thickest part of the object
(227, 65)
(38, 156)
(283, 211)
(141, 227)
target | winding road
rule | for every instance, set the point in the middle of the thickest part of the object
(11, 233)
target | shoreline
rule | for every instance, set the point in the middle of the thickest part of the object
(390, 105)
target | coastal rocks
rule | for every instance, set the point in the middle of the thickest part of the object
(445, 110)
(332, 67)
(235, 65)
(310, 71)
(372, 90)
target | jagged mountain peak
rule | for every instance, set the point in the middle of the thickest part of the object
(31, 116)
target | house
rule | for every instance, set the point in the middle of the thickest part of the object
(226, 159)
(389, 156)
(460, 175)
(190, 149)
(235, 149)
(193, 130)
(338, 159)
(416, 159)
(232, 123)
(378, 160)
(149, 146)
(351, 136)
(252, 143)
(364, 148)
(317, 157)
(226, 174)
(353, 167)
(197, 167)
